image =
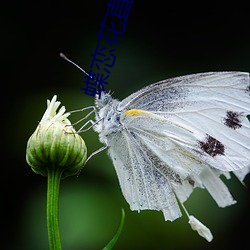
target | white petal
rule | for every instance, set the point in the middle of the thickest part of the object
(51, 114)
(200, 228)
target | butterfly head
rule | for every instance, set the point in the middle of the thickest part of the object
(102, 100)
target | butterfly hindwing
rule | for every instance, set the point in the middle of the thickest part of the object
(175, 156)
(143, 186)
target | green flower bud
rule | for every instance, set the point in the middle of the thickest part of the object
(55, 144)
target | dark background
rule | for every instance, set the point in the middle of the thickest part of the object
(161, 40)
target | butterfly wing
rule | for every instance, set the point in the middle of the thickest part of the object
(179, 134)
(212, 106)
(153, 169)
(141, 185)
(172, 164)
(173, 93)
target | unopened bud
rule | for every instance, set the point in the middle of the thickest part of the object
(55, 143)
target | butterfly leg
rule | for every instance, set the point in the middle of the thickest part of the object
(82, 128)
(86, 116)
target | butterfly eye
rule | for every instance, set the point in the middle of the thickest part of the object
(103, 101)
(105, 98)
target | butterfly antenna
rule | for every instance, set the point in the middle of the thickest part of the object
(68, 60)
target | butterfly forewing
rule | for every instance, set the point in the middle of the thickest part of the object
(176, 92)
(210, 106)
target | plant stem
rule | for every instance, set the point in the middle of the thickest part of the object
(54, 177)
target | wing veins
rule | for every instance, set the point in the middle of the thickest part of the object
(144, 184)
(130, 153)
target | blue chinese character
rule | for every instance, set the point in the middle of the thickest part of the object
(104, 58)
(95, 83)
(91, 91)
(119, 8)
(114, 30)
(94, 56)
(108, 39)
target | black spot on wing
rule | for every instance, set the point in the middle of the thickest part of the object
(212, 146)
(233, 119)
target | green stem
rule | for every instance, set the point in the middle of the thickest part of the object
(54, 177)
(117, 234)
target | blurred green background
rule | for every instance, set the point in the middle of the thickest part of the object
(161, 40)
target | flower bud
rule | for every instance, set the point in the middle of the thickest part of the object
(55, 144)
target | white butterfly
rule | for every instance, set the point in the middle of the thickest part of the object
(175, 135)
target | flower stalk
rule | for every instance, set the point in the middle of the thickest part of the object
(53, 186)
